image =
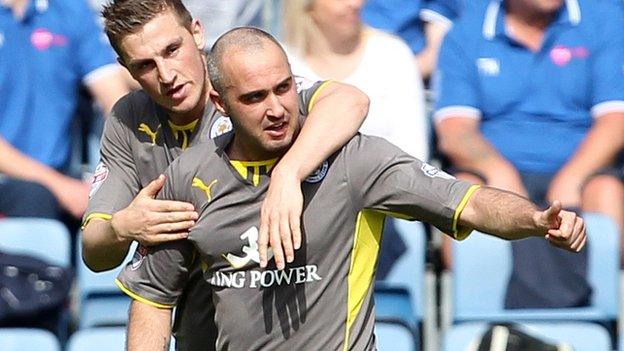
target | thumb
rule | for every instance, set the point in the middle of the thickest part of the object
(154, 187)
(551, 215)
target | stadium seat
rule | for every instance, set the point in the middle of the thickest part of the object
(479, 284)
(394, 337)
(19, 339)
(46, 239)
(101, 303)
(406, 293)
(101, 339)
(581, 336)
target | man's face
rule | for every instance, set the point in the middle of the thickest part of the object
(261, 98)
(166, 59)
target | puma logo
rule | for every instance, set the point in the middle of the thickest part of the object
(198, 183)
(147, 130)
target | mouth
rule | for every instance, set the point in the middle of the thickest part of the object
(277, 130)
(177, 92)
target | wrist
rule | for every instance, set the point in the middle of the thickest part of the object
(540, 227)
(286, 171)
(116, 231)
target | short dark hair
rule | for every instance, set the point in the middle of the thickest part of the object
(125, 17)
(248, 38)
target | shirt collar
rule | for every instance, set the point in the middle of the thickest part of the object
(493, 23)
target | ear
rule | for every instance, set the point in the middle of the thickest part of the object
(197, 29)
(218, 102)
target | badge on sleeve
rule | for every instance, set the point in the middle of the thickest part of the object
(318, 174)
(431, 171)
(100, 175)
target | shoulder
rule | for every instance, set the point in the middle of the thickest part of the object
(596, 14)
(387, 43)
(70, 10)
(133, 107)
(197, 157)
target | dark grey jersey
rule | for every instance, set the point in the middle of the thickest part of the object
(138, 144)
(323, 300)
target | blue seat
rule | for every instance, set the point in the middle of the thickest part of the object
(101, 301)
(581, 336)
(482, 265)
(394, 337)
(101, 339)
(46, 239)
(19, 339)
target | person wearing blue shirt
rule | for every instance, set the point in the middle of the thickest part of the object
(47, 50)
(531, 99)
(420, 23)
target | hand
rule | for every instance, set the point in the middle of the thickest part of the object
(564, 229)
(72, 194)
(150, 221)
(280, 219)
(565, 188)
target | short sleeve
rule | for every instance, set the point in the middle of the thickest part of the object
(92, 50)
(386, 179)
(158, 274)
(115, 181)
(608, 66)
(455, 82)
(444, 11)
(308, 92)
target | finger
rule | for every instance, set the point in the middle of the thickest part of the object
(555, 234)
(172, 227)
(582, 244)
(578, 235)
(567, 224)
(172, 217)
(295, 228)
(276, 242)
(152, 189)
(263, 238)
(286, 237)
(169, 205)
(163, 238)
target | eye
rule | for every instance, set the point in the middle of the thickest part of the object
(283, 88)
(172, 49)
(254, 97)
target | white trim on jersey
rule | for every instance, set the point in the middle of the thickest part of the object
(100, 72)
(606, 107)
(456, 111)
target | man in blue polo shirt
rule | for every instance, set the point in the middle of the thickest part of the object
(531, 99)
(47, 49)
(420, 23)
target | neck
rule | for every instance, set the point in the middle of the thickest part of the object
(332, 44)
(238, 150)
(525, 16)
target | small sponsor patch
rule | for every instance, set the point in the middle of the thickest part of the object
(319, 174)
(139, 256)
(100, 175)
(431, 171)
(303, 83)
(221, 126)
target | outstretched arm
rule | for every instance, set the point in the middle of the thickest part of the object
(337, 113)
(513, 217)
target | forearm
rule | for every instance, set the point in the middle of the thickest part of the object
(17, 165)
(149, 328)
(102, 249)
(461, 141)
(599, 148)
(428, 57)
(503, 214)
(335, 117)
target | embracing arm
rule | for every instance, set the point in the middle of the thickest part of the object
(336, 115)
(513, 217)
(149, 328)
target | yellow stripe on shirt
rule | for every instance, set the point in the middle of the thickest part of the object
(462, 233)
(316, 93)
(140, 298)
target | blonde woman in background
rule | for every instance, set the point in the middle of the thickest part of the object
(326, 39)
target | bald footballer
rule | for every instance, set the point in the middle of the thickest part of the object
(323, 299)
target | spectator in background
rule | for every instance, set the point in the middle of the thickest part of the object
(421, 23)
(47, 49)
(326, 39)
(531, 99)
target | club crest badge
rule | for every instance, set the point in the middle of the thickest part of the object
(139, 256)
(319, 174)
(221, 126)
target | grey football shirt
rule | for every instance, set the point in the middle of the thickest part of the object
(323, 300)
(138, 144)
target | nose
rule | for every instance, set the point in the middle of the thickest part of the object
(275, 108)
(165, 73)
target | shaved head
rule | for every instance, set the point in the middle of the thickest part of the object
(237, 40)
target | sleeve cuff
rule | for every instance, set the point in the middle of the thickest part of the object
(139, 298)
(100, 72)
(104, 216)
(456, 111)
(459, 232)
(606, 107)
